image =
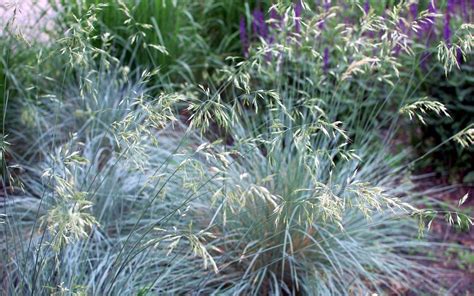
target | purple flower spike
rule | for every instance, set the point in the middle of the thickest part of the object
(427, 28)
(259, 26)
(326, 60)
(366, 6)
(425, 58)
(450, 7)
(464, 11)
(402, 26)
(472, 10)
(244, 40)
(298, 11)
(432, 7)
(459, 56)
(447, 22)
(327, 5)
(463, 8)
(414, 10)
(275, 18)
(447, 29)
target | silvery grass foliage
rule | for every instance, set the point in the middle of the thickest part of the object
(296, 223)
(127, 200)
(122, 198)
(93, 202)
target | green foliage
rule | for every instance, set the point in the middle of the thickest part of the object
(3, 90)
(456, 92)
(467, 260)
(446, 76)
(381, 5)
(89, 192)
(185, 39)
(28, 70)
(463, 258)
(360, 79)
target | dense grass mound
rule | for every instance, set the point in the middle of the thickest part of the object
(122, 198)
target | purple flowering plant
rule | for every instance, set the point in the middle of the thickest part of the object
(426, 26)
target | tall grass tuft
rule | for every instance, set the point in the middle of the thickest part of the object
(98, 201)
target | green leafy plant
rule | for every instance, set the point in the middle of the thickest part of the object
(455, 92)
(184, 39)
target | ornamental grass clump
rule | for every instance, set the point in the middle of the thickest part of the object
(289, 218)
(101, 196)
(129, 200)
